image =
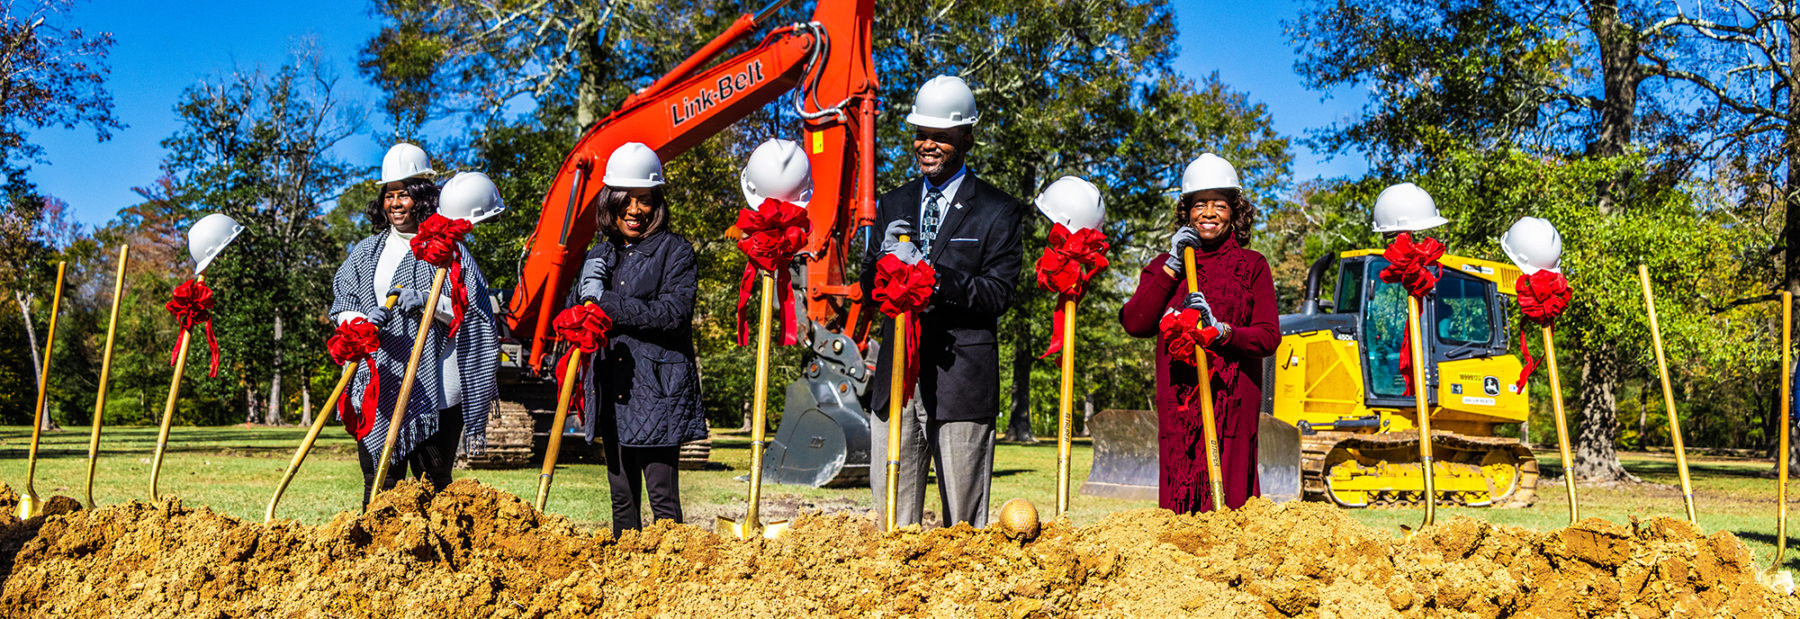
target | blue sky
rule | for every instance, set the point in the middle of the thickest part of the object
(162, 48)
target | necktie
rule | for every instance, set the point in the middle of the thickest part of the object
(928, 225)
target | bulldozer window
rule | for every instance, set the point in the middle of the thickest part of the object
(1350, 287)
(1384, 325)
(1462, 311)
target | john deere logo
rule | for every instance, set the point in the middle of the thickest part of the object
(1490, 385)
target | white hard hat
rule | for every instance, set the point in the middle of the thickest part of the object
(1208, 171)
(1534, 245)
(633, 165)
(404, 161)
(777, 169)
(1405, 208)
(944, 102)
(209, 236)
(1074, 203)
(471, 196)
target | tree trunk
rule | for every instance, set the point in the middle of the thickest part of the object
(591, 74)
(306, 404)
(273, 415)
(1596, 458)
(37, 362)
(1018, 425)
(1087, 412)
(1620, 74)
(250, 405)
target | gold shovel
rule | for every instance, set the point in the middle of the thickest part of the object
(896, 400)
(1787, 387)
(1209, 428)
(105, 371)
(162, 433)
(1662, 368)
(571, 374)
(317, 427)
(1066, 410)
(1562, 422)
(28, 503)
(1422, 407)
(398, 417)
(752, 525)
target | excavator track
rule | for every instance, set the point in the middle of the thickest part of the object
(1382, 469)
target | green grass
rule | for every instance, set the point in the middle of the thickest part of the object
(234, 469)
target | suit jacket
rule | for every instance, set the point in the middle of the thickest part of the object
(976, 253)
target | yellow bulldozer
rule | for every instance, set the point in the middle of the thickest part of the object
(1337, 422)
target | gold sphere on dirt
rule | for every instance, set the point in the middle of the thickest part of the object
(1019, 519)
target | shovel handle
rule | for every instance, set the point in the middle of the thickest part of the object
(1209, 427)
(398, 417)
(1662, 369)
(1787, 392)
(112, 325)
(37, 417)
(554, 449)
(896, 401)
(162, 433)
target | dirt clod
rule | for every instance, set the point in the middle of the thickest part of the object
(475, 551)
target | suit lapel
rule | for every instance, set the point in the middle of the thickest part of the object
(954, 213)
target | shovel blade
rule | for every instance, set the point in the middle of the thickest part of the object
(27, 507)
(747, 530)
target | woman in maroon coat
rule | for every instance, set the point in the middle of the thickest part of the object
(1237, 297)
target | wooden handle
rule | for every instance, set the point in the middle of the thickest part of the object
(1209, 427)
(406, 382)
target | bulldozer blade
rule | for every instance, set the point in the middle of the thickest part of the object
(823, 439)
(1125, 456)
(1277, 458)
(746, 530)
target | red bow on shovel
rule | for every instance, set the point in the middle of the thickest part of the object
(583, 327)
(356, 342)
(773, 233)
(192, 304)
(1181, 332)
(1409, 264)
(1543, 296)
(903, 288)
(1069, 262)
(436, 244)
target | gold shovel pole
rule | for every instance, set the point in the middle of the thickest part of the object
(1662, 368)
(752, 525)
(162, 434)
(896, 398)
(1209, 427)
(28, 502)
(1423, 407)
(545, 475)
(312, 434)
(105, 371)
(1064, 412)
(1562, 422)
(1787, 388)
(406, 384)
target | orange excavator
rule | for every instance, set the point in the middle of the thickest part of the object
(827, 67)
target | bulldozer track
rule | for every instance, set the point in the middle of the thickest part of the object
(1317, 450)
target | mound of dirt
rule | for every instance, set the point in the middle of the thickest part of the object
(475, 551)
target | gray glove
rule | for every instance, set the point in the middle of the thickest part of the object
(594, 275)
(411, 300)
(1183, 238)
(1197, 301)
(906, 251)
(379, 316)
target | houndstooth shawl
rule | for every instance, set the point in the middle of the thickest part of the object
(477, 350)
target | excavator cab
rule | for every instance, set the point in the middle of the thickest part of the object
(1337, 409)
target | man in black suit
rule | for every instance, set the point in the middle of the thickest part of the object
(970, 233)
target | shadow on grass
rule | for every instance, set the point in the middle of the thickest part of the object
(1643, 468)
(1793, 562)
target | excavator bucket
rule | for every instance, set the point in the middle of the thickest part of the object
(1125, 458)
(823, 439)
(1277, 458)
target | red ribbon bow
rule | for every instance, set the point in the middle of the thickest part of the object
(436, 244)
(356, 341)
(903, 288)
(1181, 332)
(192, 304)
(1409, 264)
(584, 327)
(773, 233)
(1069, 262)
(1543, 296)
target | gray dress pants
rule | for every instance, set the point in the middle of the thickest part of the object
(963, 452)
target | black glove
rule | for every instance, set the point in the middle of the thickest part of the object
(1183, 238)
(906, 251)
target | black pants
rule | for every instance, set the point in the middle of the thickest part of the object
(632, 470)
(431, 459)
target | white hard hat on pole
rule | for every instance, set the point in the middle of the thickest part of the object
(209, 236)
(404, 161)
(944, 102)
(1074, 203)
(471, 196)
(777, 169)
(633, 165)
(1208, 171)
(1534, 245)
(1405, 208)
